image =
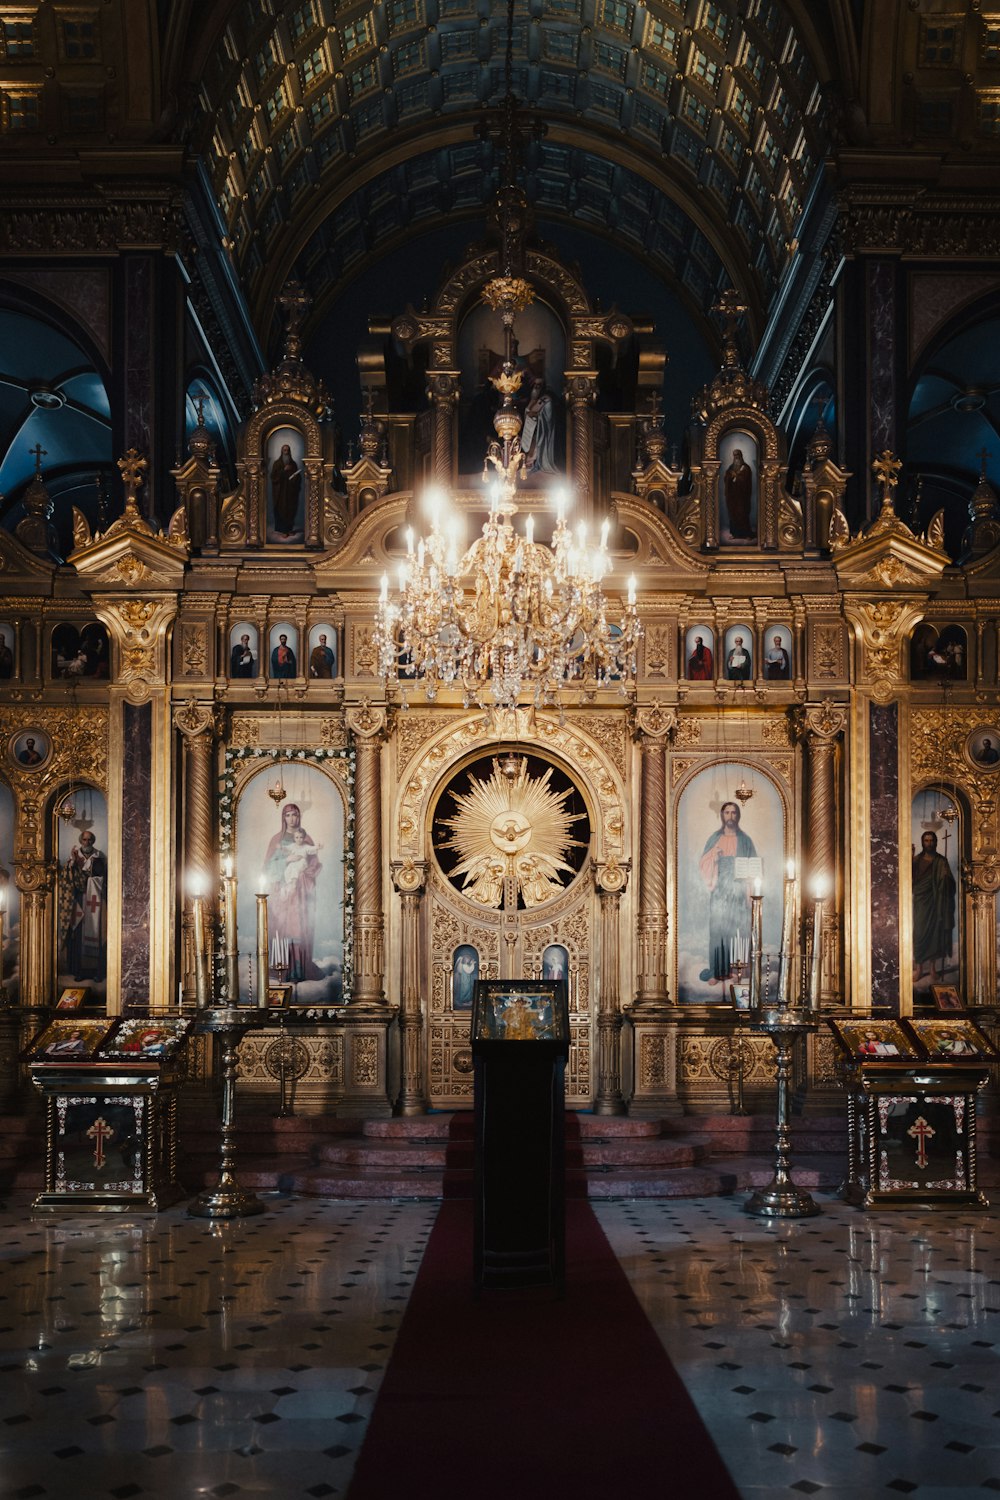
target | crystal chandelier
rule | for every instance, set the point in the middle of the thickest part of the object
(510, 620)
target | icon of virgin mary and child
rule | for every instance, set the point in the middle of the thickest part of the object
(291, 869)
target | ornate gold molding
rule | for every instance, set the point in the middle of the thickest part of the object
(882, 626)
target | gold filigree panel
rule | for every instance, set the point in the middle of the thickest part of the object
(315, 1058)
(569, 740)
(938, 740)
(707, 1061)
(79, 753)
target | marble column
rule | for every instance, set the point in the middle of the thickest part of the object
(610, 880)
(198, 726)
(410, 878)
(883, 852)
(367, 725)
(820, 727)
(443, 390)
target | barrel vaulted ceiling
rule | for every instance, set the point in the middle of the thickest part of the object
(685, 131)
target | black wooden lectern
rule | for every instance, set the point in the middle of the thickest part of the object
(520, 1042)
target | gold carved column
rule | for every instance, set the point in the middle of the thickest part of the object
(820, 727)
(443, 388)
(366, 1024)
(653, 1017)
(581, 393)
(368, 725)
(410, 879)
(981, 879)
(610, 880)
(198, 724)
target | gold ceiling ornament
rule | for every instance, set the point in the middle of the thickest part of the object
(512, 827)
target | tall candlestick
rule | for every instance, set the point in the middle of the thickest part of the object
(787, 929)
(756, 946)
(201, 985)
(262, 958)
(232, 943)
(819, 891)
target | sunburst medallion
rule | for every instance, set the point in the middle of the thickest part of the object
(514, 826)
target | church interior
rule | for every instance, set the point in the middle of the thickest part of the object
(499, 508)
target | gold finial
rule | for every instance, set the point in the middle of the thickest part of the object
(132, 466)
(886, 468)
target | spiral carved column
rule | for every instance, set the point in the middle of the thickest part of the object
(610, 879)
(442, 388)
(367, 724)
(653, 726)
(409, 879)
(654, 1024)
(198, 725)
(820, 727)
(581, 395)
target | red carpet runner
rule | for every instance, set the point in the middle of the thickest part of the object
(520, 1396)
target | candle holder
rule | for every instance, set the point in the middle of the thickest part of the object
(782, 1198)
(226, 1200)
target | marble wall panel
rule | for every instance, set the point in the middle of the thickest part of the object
(883, 852)
(136, 830)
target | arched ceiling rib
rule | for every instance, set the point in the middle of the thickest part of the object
(679, 116)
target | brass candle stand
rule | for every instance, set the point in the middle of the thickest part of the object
(226, 1200)
(782, 1198)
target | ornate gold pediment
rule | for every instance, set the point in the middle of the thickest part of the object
(131, 552)
(887, 555)
(658, 543)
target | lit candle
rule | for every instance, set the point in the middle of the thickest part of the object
(819, 893)
(262, 962)
(605, 530)
(201, 994)
(631, 588)
(409, 540)
(529, 530)
(787, 929)
(756, 943)
(383, 597)
(229, 920)
(560, 507)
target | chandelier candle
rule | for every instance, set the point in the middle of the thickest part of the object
(232, 943)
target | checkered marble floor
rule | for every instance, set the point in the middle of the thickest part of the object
(850, 1354)
(172, 1357)
(844, 1355)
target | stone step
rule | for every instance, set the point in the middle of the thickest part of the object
(461, 1123)
(597, 1155)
